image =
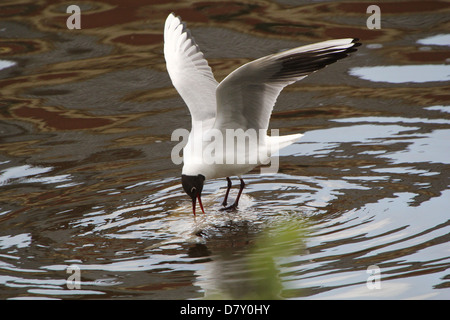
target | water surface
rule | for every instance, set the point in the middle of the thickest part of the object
(86, 177)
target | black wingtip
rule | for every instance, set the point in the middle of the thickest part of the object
(356, 42)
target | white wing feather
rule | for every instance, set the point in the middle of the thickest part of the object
(245, 98)
(189, 71)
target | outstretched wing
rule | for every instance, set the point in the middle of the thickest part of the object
(245, 98)
(188, 70)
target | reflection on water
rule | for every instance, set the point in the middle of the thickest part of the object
(401, 74)
(6, 64)
(86, 177)
(437, 40)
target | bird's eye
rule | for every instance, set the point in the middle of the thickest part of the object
(193, 189)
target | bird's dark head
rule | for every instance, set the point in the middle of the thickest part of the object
(193, 186)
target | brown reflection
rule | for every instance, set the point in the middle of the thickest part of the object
(415, 55)
(325, 112)
(422, 95)
(59, 119)
(8, 47)
(13, 87)
(20, 149)
(434, 56)
(263, 19)
(137, 39)
(396, 7)
(19, 10)
(362, 33)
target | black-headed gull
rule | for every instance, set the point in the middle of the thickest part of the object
(242, 103)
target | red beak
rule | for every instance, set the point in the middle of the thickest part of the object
(199, 202)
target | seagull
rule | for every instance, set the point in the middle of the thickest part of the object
(243, 101)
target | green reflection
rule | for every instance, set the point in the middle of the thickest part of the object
(259, 274)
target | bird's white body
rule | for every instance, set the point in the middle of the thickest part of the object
(221, 153)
